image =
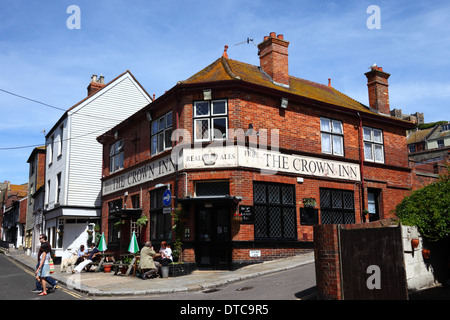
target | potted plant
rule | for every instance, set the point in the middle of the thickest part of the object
(426, 253)
(142, 221)
(309, 202)
(107, 268)
(237, 217)
(414, 243)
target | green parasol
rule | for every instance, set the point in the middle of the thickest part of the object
(133, 247)
(102, 244)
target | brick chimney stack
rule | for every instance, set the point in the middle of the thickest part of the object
(273, 55)
(95, 85)
(377, 83)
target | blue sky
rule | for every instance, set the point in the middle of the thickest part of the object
(162, 42)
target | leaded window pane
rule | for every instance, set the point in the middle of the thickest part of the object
(201, 108)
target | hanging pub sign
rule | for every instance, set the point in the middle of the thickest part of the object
(246, 213)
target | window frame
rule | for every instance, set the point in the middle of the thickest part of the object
(115, 155)
(159, 135)
(210, 117)
(332, 133)
(269, 204)
(373, 144)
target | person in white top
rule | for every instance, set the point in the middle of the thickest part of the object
(166, 254)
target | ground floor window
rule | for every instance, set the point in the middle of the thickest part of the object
(274, 208)
(160, 219)
(337, 206)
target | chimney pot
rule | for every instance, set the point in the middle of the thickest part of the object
(95, 85)
(266, 38)
(273, 34)
(280, 36)
(225, 55)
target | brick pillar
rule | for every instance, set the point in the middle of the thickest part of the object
(377, 83)
(326, 254)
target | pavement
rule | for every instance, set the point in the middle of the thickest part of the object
(108, 284)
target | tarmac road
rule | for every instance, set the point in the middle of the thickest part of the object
(17, 281)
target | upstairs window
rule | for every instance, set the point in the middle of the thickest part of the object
(161, 134)
(210, 120)
(116, 156)
(332, 136)
(373, 145)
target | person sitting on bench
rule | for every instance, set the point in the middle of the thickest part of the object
(93, 256)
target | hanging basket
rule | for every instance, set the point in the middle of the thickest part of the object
(237, 218)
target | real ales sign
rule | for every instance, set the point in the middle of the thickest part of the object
(267, 161)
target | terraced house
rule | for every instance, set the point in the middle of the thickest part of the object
(255, 158)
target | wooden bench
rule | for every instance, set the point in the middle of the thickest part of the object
(129, 266)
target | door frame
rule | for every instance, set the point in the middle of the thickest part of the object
(213, 247)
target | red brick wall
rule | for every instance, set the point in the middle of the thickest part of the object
(299, 133)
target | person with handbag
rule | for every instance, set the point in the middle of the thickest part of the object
(52, 282)
(43, 270)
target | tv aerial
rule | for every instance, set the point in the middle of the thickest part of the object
(246, 41)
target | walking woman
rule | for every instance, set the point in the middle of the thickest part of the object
(43, 270)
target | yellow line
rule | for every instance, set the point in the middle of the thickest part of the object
(28, 271)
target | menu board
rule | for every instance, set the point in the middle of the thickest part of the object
(247, 214)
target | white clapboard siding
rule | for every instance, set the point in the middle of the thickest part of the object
(112, 105)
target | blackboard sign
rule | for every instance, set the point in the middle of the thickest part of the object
(247, 214)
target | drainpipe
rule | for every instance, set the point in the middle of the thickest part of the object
(361, 165)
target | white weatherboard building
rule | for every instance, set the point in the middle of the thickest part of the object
(72, 201)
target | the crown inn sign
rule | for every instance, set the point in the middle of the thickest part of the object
(268, 162)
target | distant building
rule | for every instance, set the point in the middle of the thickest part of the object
(429, 149)
(72, 199)
(35, 212)
(14, 214)
(417, 118)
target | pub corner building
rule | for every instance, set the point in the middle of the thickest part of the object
(249, 159)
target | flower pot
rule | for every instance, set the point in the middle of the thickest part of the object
(107, 268)
(123, 270)
(426, 253)
(414, 243)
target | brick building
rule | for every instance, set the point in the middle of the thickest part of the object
(255, 158)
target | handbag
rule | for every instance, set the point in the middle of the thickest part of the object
(51, 265)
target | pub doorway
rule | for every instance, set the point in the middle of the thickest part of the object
(213, 237)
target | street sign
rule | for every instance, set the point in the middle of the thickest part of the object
(167, 198)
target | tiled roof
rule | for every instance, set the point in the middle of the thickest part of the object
(439, 133)
(227, 69)
(418, 136)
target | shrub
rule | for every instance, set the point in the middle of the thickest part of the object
(428, 208)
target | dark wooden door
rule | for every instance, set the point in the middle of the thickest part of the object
(372, 264)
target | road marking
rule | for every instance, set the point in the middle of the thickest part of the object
(28, 271)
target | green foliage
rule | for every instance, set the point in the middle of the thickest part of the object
(178, 228)
(424, 126)
(429, 209)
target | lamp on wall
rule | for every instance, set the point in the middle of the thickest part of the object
(116, 135)
(284, 103)
(206, 94)
(149, 116)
